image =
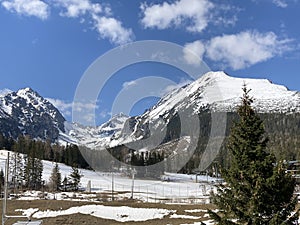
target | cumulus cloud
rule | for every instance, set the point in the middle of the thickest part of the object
(280, 3)
(64, 107)
(129, 84)
(192, 13)
(75, 8)
(35, 8)
(107, 26)
(173, 87)
(100, 15)
(193, 52)
(104, 114)
(247, 48)
(113, 30)
(84, 110)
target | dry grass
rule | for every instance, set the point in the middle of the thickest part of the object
(90, 220)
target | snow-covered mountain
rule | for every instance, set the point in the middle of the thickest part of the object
(94, 136)
(220, 92)
(214, 92)
(26, 112)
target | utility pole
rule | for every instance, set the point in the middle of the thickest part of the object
(5, 217)
(133, 172)
(5, 190)
(112, 181)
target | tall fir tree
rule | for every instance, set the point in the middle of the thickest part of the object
(33, 169)
(75, 177)
(55, 178)
(16, 170)
(257, 189)
(2, 178)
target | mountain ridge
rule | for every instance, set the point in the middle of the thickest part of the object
(25, 112)
(21, 111)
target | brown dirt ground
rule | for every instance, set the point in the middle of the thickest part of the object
(91, 220)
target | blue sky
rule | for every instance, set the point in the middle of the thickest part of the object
(48, 45)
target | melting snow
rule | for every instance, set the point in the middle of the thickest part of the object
(117, 213)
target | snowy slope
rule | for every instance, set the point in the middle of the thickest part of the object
(179, 186)
(214, 91)
(221, 92)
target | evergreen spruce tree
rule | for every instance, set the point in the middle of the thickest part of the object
(75, 177)
(257, 190)
(55, 178)
(1, 182)
(65, 183)
(16, 170)
(33, 170)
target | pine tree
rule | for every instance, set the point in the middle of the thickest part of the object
(257, 190)
(1, 182)
(55, 178)
(33, 169)
(75, 177)
(65, 183)
(16, 170)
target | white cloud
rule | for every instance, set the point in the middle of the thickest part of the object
(35, 8)
(192, 13)
(84, 110)
(280, 3)
(247, 48)
(107, 26)
(104, 114)
(76, 8)
(84, 106)
(170, 88)
(99, 14)
(113, 30)
(193, 52)
(64, 107)
(129, 84)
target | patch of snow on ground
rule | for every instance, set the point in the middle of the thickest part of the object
(176, 216)
(195, 210)
(174, 188)
(117, 213)
(207, 222)
(27, 212)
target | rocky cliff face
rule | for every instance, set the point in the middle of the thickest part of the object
(25, 112)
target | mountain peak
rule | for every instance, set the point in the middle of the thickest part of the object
(215, 74)
(119, 115)
(27, 91)
(26, 112)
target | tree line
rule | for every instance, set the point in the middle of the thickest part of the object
(25, 173)
(45, 150)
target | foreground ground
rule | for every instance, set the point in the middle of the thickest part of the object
(179, 214)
